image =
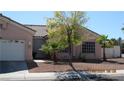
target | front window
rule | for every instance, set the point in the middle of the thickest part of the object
(88, 47)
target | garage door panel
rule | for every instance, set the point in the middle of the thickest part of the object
(12, 50)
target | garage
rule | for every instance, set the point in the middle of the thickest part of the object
(12, 50)
(15, 41)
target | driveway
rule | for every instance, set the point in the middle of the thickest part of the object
(13, 66)
(122, 55)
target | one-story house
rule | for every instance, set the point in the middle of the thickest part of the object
(15, 40)
(18, 42)
(89, 48)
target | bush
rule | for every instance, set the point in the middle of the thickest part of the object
(82, 57)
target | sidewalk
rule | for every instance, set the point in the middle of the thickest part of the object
(51, 76)
(27, 76)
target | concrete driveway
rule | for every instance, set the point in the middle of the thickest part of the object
(13, 66)
(122, 55)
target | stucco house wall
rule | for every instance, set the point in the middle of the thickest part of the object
(88, 36)
(77, 50)
(39, 39)
(15, 32)
(37, 45)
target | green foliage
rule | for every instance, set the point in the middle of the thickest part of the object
(104, 39)
(72, 23)
(122, 28)
(58, 28)
(56, 38)
(122, 45)
(109, 44)
(114, 41)
(51, 47)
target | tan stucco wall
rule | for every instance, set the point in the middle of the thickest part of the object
(12, 32)
(77, 50)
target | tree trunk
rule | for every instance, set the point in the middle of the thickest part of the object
(54, 58)
(104, 55)
(70, 47)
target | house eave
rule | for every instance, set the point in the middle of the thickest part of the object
(8, 20)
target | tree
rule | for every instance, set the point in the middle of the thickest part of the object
(63, 31)
(56, 40)
(114, 41)
(52, 48)
(103, 40)
(71, 23)
(122, 28)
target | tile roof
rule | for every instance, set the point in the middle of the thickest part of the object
(42, 31)
(9, 19)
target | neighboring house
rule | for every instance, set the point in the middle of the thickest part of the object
(15, 40)
(90, 48)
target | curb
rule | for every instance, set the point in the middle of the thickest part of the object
(48, 76)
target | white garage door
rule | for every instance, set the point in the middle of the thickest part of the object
(12, 50)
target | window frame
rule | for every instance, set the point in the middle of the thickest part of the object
(88, 47)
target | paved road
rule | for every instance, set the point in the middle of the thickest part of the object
(9, 67)
(113, 77)
(118, 77)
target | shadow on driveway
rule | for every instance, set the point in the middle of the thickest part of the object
(115, 61)
(7, 67)
(31, 65)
